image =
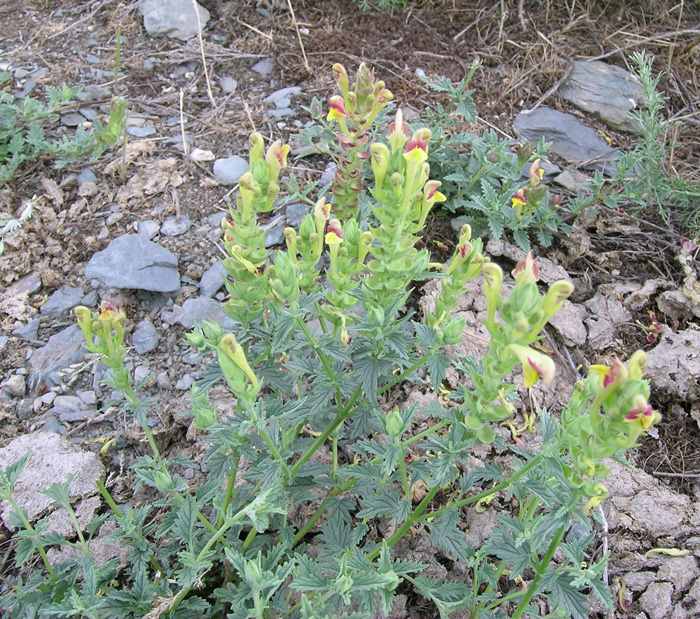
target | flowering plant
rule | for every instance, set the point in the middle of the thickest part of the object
(322, 473)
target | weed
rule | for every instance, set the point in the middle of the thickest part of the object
(322, 341)
(23, 126)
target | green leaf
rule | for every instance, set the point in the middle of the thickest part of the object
(389, 503)
(447, 596)
(445, 534)
(186, 520)
(522, 239)
(563, 594)
(9, 475)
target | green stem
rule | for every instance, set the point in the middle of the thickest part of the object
(249, 539)
(421, 435)
(229, 492)
(486, 493)
(30, 528)
(541, 569)
(340, 418)
(320, 510)
(412, 519)
(404, 477)
(506, 598)
(401, 376)
(118, 513)
(322, 356)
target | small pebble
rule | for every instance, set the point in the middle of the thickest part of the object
(163, 381)
(148, 228)
(175, 226)
(184, 383)
(228, 85)
(15, 386)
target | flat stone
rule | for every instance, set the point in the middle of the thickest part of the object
(52, 460)
(184, 383)
(63, 349)
(674, 364)
(279, 114)
(62, 301)
(569, 323)
(274, 235)
(89, 113)
(215, 219)
(296, 212)
(607, 314)
(29, 332)
(176, 19)
(606, 91)
(212, 280)
(148, 228)
(264, 67)
(3, 341)
(86, 176)
(175, 226)
(281, 98)
(15, 386)
(53, 425)
(229, 169)
(200, 156)
(656, 600)
(134, 262)
(199, 309)
(573, 180)
(72, 120)
(145, 338)
(570, 138)
(228, 85)
(141, 132)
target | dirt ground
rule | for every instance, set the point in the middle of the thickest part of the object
(525, 47)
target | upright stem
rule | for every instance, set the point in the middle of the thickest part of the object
(541, 569)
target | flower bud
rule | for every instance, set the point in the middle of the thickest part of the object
(256, 146)
(276, 159)
(398, 132)
(536, 173)
(493, 281)
(637, 365)
(341, 78)
(393, 424)
(380, 163)
(164, 482)
(556, 295)
(233, 351)
(84, 317)
(195, 339)
(526, 270)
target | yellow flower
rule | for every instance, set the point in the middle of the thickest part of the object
(535, 364)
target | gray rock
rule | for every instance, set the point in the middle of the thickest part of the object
(656, 600)
(328, 174)
(3, 341)
(66, 403)
(215, 219)
(281, 98)
(228, 170)
(184, 383)
(175, 226)
(24, 409)
(275, 235)
(141, 373)
(145, 338)
(570, 138)
(87, 176)
(141, 132)
(72, 120)
(62, 301)
(62, 349)
(21, 73)
(28, 332)
(148, 228)
(568, 322)
(52, 424)
(606, 91)
(573, 180)
(264, 67)
(90, 299)
(163, 381)
(15, 386)
(296, 212)
(674, 364)
(607, 314)
(92, 59)
(52, 460)
(88, 113)
(150, 63)
(212, 280)
(279, 114)
(228, 85)
(89, 398)
(190, 358)
(176, 19)
(113, 219)
(199, 309)
(134, 262)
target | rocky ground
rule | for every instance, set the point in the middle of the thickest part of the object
(140, 227)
